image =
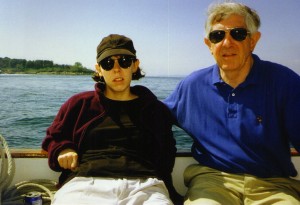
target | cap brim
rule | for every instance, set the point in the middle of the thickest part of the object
(113, 52)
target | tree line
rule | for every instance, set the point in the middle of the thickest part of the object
(11, 65)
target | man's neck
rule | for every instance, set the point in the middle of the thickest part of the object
(235, 77)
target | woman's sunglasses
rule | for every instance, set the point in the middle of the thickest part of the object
(238, 34)
(124, 61)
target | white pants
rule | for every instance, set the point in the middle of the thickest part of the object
(109, 191)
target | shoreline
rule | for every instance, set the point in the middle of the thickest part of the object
(45, 73)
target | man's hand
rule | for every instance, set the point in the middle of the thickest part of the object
(67, 159)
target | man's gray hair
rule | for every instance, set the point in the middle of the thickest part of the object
(220, 11)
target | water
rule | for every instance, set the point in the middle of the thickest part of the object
(29, 103)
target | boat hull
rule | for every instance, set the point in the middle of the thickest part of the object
(35, 166)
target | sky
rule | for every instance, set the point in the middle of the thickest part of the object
(167, 34)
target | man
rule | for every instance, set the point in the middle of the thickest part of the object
(243, 114)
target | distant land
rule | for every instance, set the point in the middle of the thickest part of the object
(23, 66)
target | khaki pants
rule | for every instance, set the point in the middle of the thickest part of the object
(208, 186)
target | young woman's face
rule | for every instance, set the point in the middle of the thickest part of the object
(118, 79)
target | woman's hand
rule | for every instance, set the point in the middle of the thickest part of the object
(67, 159)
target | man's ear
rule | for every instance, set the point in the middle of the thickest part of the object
(208, 43)
(254, 39)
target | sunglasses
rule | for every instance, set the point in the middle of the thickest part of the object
(124, 62)
(238, 34)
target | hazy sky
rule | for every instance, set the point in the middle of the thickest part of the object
(167, 34)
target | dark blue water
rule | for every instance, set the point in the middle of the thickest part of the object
(29, 103)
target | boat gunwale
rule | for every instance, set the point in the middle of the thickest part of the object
(39, 153)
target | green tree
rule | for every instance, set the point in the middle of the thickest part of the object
(4, 62)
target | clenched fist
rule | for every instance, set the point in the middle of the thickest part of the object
(67, 159)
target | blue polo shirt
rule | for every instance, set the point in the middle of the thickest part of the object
(245, 130)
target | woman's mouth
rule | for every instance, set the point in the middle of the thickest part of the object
(118, 79)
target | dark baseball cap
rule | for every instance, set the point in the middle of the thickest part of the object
(115, 44)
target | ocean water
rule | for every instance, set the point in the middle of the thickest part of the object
(29, 103)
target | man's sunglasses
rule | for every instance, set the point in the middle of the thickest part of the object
(124, 62)
(238, 34)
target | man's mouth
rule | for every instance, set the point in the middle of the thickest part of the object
(229, 55)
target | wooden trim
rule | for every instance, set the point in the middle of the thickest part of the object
(38, 153)
(294, 152)
(28, 153)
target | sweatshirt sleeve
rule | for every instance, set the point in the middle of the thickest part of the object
(59, 135)
(167, 150)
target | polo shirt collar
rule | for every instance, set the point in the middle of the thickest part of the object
(216, 78)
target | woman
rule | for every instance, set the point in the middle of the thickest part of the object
(113, 145)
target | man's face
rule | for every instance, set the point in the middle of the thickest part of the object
(231, 54)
